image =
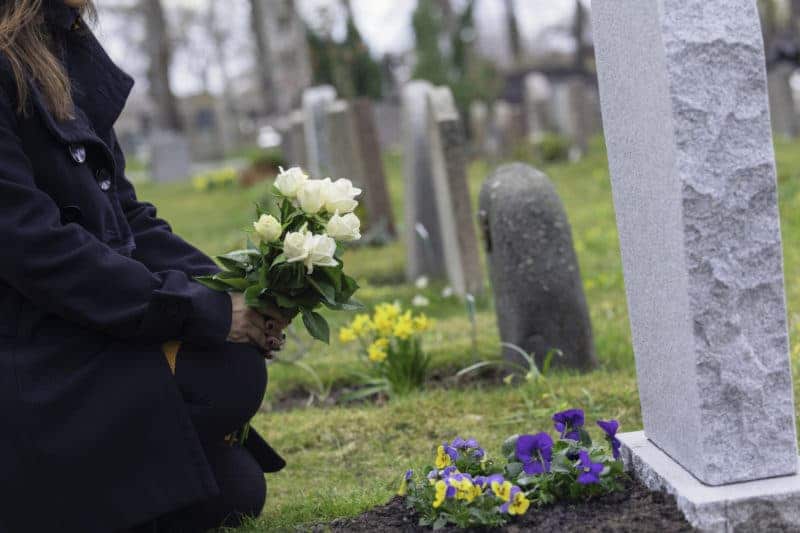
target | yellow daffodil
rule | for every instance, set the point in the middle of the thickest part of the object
(377, 350)
(361, 325)
(404, 327)
(441, 494)
(384, 318)
(347, 335)
(443, 459)
(422, 323)
(502, 490)
(519, 504)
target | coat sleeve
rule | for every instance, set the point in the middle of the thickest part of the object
(157, 247)
(64, 269)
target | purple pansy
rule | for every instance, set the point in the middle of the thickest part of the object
(486, 481)
(589, 472)
(451, 451)
(568, 423)
(447, 472)
(479, 453)
(458, 443)
(471, 443)
(535, 452)
(611, 427)
(409, 475)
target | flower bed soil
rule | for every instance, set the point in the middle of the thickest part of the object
(635, 510)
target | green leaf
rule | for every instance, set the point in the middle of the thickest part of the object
(349, 288)
(232, 281)
(324, 288)
(252, 295)
(513, 469)
(317, 326)
(239, 260)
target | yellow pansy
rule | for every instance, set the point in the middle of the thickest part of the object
(502, 490)
(347, 335)
(404, 328)
(377, 350)
(442, 458)
(361, 325)
(422, 323)
(441, 494)
(519, 505)
(465, 489)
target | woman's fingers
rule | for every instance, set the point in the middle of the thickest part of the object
(259, 338)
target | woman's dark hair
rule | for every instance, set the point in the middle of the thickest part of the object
(26, 42)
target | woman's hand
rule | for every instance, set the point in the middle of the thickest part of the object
(248, 325)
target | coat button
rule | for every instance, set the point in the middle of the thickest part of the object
(104, 180)
(78, 153)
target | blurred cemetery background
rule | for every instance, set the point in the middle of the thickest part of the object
(418, 102)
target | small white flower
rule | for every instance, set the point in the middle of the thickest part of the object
(311, 195)
(447, 292)
(340, 196)
(297, 246)
(289, 182)
(268, 229)
(344, 228)
(420, 301)
(322, 251)
(422, 282)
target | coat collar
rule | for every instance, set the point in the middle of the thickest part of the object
(59, 15)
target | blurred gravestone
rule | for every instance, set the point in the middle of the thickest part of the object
(686, 117)
(502, 130)
(785, 120)
(376, 198)
(340, 133)
(315, 104)
(449, 160)
(572, 112)
(538, 95)
(479, 126)
(170, 158)
(425, 256)
(534, 269)
(297, 140)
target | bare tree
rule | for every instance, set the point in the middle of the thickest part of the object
(513, 31)
(159, 51)
(578, 34)
(263, 54)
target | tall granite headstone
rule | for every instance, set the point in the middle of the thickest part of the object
(449, 161)
(425, 256)
(170, 158)
(340, 136)
(534, 269)
(684, 95)
(297, 142)
(376, 197)
(315, 104)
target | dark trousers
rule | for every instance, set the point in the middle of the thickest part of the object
(223, 390)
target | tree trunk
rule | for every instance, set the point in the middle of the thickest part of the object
(513, 31)
(578, 30)
(159, 50)
(263, 54)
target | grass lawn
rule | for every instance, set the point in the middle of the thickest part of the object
(346, 459)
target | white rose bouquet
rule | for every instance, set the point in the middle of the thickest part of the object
(293, 264)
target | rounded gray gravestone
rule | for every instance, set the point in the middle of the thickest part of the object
(535, 276)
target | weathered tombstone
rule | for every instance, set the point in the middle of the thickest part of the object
(785, 120)
(502, 130)
(686, 118)
(340, 135)
(538, 95)
(570, 112)
(297, 135)
(423, 235)
(170, 158)
(534, 270)
(376, 197)
(449, 161)
(479, 126)
(315, 104)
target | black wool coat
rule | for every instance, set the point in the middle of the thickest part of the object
(95, 436)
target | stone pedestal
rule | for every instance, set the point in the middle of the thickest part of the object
(684, 95)
(763, 505)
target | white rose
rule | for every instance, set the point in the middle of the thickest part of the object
(297, 246)
(268, 229)
(322, 250)
(341, 196)
(289, 182)
(311, 195)
(344, 228)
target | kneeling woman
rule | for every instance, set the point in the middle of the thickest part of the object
(102, 432)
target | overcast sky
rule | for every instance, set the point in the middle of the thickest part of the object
(385, 24)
